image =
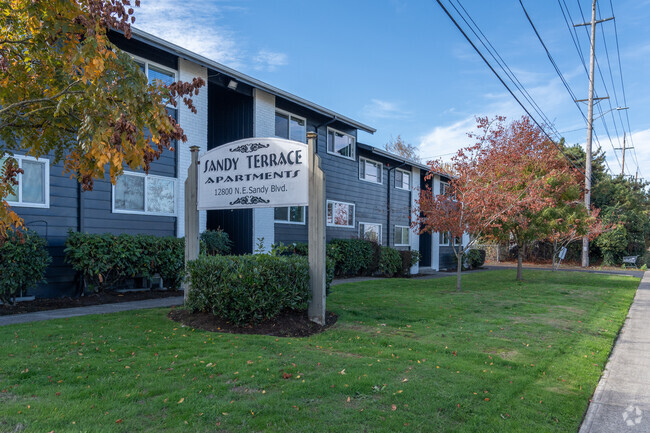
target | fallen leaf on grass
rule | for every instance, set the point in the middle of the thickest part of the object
(393, 407)
(181, 400)
(286, 375)
(118, 421)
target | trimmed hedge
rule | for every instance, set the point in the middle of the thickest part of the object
(474, 259)
(355, 256)
(23, 261)
(215, 242)
(409, 258)
(106, 260)
(248, 289)
(390, 261)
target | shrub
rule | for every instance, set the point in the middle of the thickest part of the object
(302, 249)
(390, 261)
(409, 258)
(106, 260)
(215, 242)
(354, 256)
(474, 259)
(23, 260)
(248, 289)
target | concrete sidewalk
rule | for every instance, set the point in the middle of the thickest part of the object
(621, 401)
(94, 309)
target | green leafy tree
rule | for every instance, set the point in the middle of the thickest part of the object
(67, 91)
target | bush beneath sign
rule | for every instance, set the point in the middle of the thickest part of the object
(215, 242)
(248, 289)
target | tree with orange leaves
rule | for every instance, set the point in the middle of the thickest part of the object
(66, 90)
(499, 187)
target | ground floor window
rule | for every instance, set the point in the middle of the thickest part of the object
(33, 189)
(401, 236)
(444, 238)
(145, 194)
(370, 232)
(340, 214)
(291, 214)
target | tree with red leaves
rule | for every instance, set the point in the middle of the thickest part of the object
(499, 187)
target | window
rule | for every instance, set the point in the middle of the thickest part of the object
(290, 127)
(444, 239)
(145, 194)
(370, 232)
(444, 188)
(340, 214)
(33, 189)
(401, 236)
(292, 214)
(402, 179)
(340, 143)
(370, 170)
(155, 72)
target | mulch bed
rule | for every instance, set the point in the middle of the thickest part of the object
(288, 324)
(42, 304)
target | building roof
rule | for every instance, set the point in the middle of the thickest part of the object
(148, 38)
(397, 158)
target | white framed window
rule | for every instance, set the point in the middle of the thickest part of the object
(290, 215)
(154, 71)
(444, 239)
(401, 238)
(370, 170)
(370, 232)
(138, 193)
(402, 179)
(33, 189)
(290, 126)
(340, 144)
(444, 188)
(340, 214)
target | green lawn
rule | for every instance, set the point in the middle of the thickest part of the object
(405, 355)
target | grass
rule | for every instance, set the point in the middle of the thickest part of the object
(405, 355)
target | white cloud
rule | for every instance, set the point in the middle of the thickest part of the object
(442, 141)
(270, 60)
(639, 140)
(191, 29)
(379, 109)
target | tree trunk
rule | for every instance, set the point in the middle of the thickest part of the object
(458, 271)
(520, 259)
(554, 255)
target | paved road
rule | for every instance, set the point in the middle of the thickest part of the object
(621, 402)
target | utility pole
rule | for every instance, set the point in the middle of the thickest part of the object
(623, 148)
(590, 121)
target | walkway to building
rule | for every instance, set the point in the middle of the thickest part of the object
(621, 402)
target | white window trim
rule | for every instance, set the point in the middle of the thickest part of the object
(155, 65)
(304, 213)
(409, 236)
(46, 182)
(145, 212)
(442, 237)
(354, 145)
(287, 113)
(354, 216)
(371, 224)
(381, 170)
(404, 173)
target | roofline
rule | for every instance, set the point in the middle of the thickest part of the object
(204, 61)
(398, 158)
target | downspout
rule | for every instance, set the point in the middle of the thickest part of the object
(388, 201)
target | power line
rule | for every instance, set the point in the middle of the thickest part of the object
(506, 86)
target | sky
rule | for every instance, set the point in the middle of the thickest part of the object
(402, 66)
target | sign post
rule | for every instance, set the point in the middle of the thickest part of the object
(191, 215)
(316, 236)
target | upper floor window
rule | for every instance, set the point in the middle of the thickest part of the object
(370, 232)
(291, 214)
(33, 189)
(290, 127)
(444, 188)
(145, 194)
(370, 170)
(402, 179)
(340, 143)
(155, 72)
(340, 214)
(401, 236)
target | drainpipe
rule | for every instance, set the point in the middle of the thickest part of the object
(388, 201)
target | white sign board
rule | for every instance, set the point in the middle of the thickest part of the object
(254, 172)
(562, 254)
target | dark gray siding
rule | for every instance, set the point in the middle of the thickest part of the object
(447, 258)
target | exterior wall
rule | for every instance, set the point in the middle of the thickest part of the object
(413, 235)
(435, 237)
(195, 127)
(263, 126)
